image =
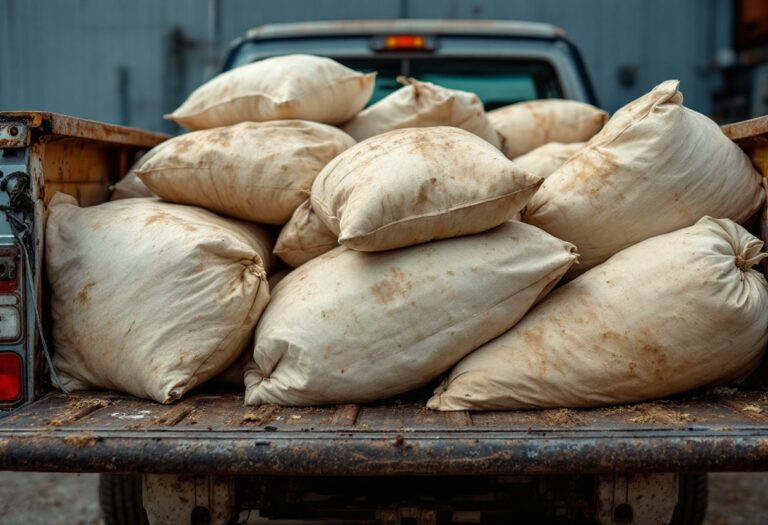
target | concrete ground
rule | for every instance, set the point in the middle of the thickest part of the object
(70, 499)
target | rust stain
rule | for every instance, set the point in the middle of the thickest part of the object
(82, 440)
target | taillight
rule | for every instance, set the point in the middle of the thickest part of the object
(404, 43)
(10, 290)
(11, 326)
(10, 318)
(10, 377)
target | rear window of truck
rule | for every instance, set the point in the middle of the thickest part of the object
(497, 82)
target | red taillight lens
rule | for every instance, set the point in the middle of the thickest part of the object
(404, 43)
(10, 377)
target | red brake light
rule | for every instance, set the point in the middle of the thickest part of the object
(10, 377)
(404, 43)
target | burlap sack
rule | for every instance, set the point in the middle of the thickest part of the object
(546, 159)
(656, 167)
(354, 327)
(301, 87)
(257, 171)
(527, 125)
(420, 105)
(411, 186)
(675, 312)
(150, 298)
(304, 237)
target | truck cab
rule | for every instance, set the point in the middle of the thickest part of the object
(209, 459)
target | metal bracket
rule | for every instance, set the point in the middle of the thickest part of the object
(13, 135)
(181, 499)
(636, 499)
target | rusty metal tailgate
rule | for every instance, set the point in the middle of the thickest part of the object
(724, 429)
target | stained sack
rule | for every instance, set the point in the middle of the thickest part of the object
(304, 237)
(350, 326)
(527, 125)
(546, 159)
(150, 298)
(411, 186)
(255, 171)
(130, 187)
(302, 87)
(675, 312)
(420, 105)
(233, 375)
(656, 167)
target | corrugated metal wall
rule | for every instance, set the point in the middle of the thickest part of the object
(114, 60)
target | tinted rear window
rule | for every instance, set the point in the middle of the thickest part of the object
(497, 82)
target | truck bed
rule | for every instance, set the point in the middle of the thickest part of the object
(212, 432)
(721, 429)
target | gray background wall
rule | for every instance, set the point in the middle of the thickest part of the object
(113, 60)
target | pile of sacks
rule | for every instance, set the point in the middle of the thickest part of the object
(401, 222)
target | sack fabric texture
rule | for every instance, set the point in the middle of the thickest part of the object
(675, 312)
(150, 298)
(303, 87)
(351, 326)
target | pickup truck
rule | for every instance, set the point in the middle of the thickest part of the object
(208, 459)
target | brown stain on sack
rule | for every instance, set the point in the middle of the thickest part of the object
(657, 359)
(543, 118)
(183, 145)
(221, 137)
(593, 168)
(83, 298)
(395, 284)
(166, 218)
(424, 191)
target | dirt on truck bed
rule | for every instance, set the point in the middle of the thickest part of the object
(719, 429)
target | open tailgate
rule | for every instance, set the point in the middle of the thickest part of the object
(724, 429)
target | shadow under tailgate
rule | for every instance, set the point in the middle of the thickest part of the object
(98, 431)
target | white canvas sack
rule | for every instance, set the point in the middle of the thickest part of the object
(304, 237)
(527, 125)
(546, 159)
(353, 327)
(656, 167)
(130, 187)
(303, 87)
(233, 376)
(420, 105)
(256, 171)
(150, 298)
(672, 313)
(414, 185)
